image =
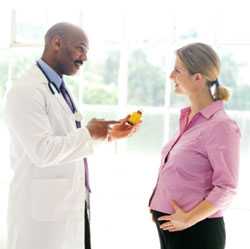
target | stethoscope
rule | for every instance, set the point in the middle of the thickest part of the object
(54, 90)
(52, 86)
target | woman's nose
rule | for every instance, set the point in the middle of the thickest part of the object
(171, 76)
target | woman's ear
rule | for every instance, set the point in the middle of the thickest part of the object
(198, 76)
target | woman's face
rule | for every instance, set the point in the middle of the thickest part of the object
(183, 80)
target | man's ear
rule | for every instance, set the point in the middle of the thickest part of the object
(56, 42)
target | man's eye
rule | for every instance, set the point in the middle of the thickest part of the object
(83, 49)
(80, 49)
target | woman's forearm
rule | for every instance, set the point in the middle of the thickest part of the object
(201, 212)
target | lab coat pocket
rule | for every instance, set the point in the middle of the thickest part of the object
(49, 199)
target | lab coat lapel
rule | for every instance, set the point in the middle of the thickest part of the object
(63, 103)
(57, 96)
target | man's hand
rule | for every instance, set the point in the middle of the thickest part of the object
(99, 128)
(122, 129)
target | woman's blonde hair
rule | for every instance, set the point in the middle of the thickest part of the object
(201, 58)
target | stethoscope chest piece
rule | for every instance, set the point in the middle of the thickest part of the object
(78, 116)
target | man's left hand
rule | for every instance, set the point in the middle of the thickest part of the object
(122, 129)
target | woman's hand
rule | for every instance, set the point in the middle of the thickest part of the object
(181, 220)
(178, 221)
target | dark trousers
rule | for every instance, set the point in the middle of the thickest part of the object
(87, 238)
(206, 234)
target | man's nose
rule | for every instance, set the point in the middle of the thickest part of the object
(84, 57)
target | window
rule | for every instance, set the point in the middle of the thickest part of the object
(131, 54)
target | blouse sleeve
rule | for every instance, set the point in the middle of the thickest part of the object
(223, 150)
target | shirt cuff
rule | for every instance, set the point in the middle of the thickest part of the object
(221, 198)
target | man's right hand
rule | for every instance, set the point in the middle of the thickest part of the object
(99, 128)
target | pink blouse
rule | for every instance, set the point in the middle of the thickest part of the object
(200, 163)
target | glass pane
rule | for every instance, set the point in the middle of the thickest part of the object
(193, 28)
(150, 136)
(30, 26)
(173, 123)
(5, 27)
(100, 76)
(231, 27)
(4, 66)
(146, 76)
(103, 23)
(152, 22)
(235, 74)
(66, 14)
(22, 59)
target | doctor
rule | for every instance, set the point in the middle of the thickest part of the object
(48, 198)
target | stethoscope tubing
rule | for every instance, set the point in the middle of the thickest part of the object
(50, 83)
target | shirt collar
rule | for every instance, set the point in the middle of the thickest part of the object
(51, 74)
(210, 110)
(207, 112)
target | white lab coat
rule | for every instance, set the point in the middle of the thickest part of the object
(47, 192)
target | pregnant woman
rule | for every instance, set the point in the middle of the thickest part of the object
(199, 167)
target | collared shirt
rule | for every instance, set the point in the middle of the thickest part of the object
(200, 163)
(54, 77)
(51, 73)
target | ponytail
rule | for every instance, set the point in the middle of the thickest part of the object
(222, 93)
